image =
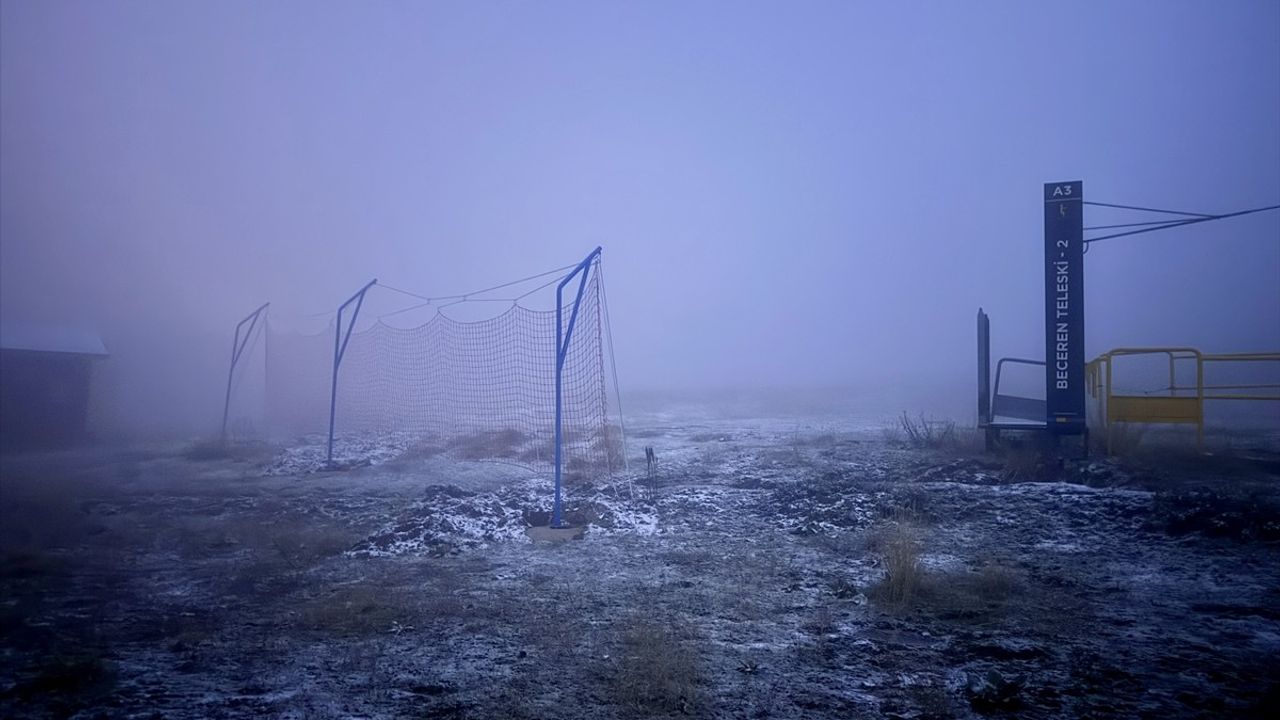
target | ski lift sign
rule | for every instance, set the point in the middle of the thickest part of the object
(1064, 307)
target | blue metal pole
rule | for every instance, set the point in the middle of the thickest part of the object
(333, 387)
(563, 336)
(556, 520)
(237, 348)
(231, 371)
(340, 349)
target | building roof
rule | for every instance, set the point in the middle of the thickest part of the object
(50, 338)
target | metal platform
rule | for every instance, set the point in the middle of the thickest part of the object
(999, 412)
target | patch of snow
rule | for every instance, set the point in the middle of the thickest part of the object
(450, 519)
(943, 562)
(348, 451)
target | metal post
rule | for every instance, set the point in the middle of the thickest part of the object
(1199, 403)
(340, 349)
(984, 369)
(1107, 408)
(563, 336)
(237, 348)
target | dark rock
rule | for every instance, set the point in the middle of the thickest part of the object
(992, 691)
(1007, 649)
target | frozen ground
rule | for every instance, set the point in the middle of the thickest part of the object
(743, 579)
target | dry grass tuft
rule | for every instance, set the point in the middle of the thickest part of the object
(899, 545)
(659, 672)
(925, 433)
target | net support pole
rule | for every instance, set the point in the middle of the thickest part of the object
(237, 349)
(340, 340)
(563, 337)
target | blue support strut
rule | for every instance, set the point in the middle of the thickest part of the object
(237, 348)
(340, 341)
(563, 336)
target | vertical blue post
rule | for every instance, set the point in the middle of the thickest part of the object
(563, 336)
(340, 349)
(237, 348)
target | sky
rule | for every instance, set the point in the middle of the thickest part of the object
(788, 195)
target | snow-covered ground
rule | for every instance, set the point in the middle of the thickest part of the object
(741, 577)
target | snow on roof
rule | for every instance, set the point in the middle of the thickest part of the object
(49, 338)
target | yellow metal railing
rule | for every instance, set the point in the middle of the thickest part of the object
(1174, 407)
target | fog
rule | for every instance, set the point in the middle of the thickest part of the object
(790, 198)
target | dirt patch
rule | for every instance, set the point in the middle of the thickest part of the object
(1217, 513)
